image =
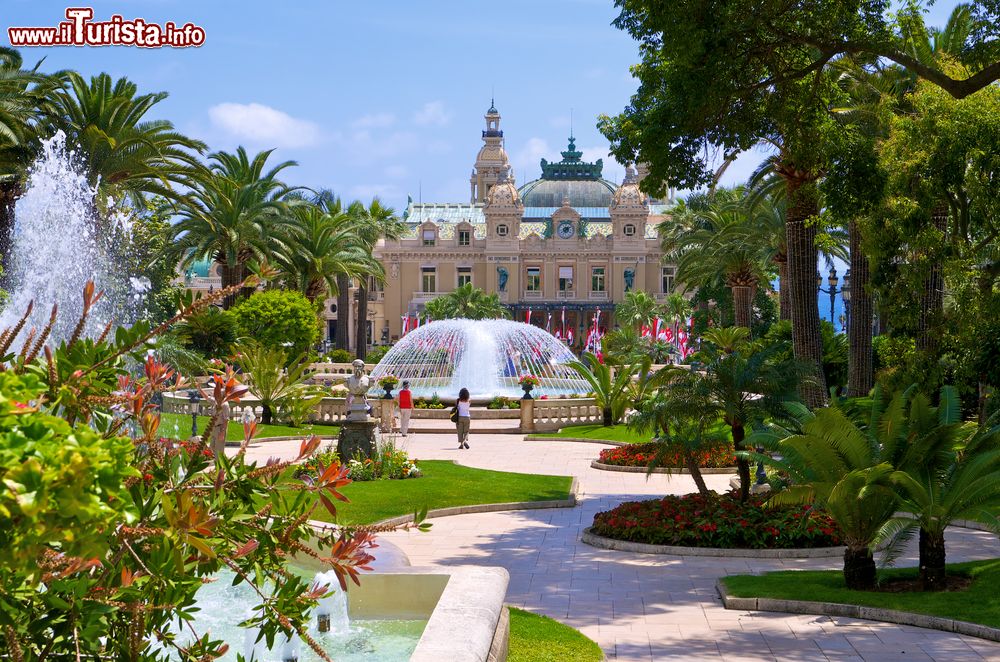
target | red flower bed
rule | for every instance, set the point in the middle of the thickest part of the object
(717, 521)
(712, 454)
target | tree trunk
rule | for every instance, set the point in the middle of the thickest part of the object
(859, 569)
(743, 305)
(609, 419)
(800, 235)
(784, 295)
(9, 192)
(860, 378)
(932, 559)
(231, 275)
(695, 471)
(742, 464)
(932, 296)
(343, 312)
(361, 335)
(266, 415)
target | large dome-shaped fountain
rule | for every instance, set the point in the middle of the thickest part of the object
(485, 356)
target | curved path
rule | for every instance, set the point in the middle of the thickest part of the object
(642, 607)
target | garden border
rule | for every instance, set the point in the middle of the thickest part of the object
(588, 537)
(713, 471)
(580, 440)
(477, 508)
(857, 611)
(264, 440)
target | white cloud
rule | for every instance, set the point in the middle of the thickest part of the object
(262, 124)
(433, 113)
(526, 159)
(374, 121)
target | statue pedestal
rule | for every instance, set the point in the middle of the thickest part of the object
(356, 438)
(387, 414)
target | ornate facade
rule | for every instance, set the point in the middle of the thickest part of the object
(568, 241)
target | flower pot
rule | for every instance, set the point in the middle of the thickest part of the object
(388, 393)
(527, 391)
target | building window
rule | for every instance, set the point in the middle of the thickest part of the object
(429, 237)
(629, 230)
(667, 279)
(565, 278)
(464, 238)
(597, 279)
(464, 276)
(502, 230)
(428, 279)
(534, 281)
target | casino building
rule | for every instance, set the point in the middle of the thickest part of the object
(568, 241)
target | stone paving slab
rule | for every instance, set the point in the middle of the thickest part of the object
(642, 607)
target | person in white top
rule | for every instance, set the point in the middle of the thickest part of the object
(463, 408)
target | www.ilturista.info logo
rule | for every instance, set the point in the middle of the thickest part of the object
(81, 30)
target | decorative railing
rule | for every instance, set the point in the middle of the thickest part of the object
(532, 294)
(329, 411)
(558, 413)
(598, 296)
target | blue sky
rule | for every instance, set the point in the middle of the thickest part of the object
(384, 97)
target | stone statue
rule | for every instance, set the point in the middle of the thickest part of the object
(502, 276)
(357, 386)
(629, 279)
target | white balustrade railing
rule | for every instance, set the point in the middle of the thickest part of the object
(561, 412)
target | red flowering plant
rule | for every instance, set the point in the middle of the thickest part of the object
(528, 380)
(106, 533)
(714, 520)
(712, 453)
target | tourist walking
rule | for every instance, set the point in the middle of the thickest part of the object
(219, 427)
(405, 408)
(464, 417)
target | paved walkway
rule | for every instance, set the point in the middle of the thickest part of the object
(646, 607)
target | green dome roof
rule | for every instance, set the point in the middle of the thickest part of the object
(571, 178)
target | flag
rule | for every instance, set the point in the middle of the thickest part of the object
(527, 317)
(656, 328)
(406, 324)
(548, 323)
(558, 335)
(416, 322)
(569, 337)
(564, 320)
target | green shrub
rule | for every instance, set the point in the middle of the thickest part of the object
(211, 332)
(340, 356)
(277, 317)
(834, 349)
(375, 354)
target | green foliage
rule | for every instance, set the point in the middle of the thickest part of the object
(375, 354)
(340, 356)
(637, 309)
(278, 382)
(279, 318)
(467, 302)
(210, 332)
(612, 393)
(834, 350)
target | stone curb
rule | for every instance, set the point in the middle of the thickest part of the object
(580, 440)
(488, 508)
(857, 611)
(602, 542)
(659, 470)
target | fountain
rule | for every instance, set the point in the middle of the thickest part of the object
(485, 356)
(58, 245)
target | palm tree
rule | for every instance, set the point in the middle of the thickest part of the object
(746, 386)
(612, 393)
(273, 380)
(378, 222)
(835, 464)
(637, 309)
(22, 95)
(317, 247)
(467, 302)
(231, 214)
(125, 152)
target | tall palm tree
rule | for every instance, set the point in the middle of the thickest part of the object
(317, 247)
(125, 152)
(22, 95)
(234, 209)
(378, 222)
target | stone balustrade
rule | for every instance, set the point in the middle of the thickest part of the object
(329, 411)
(552, 414)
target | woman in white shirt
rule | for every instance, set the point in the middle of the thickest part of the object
(463, 406)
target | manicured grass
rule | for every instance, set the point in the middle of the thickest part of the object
(980, 603)
(443, 484)
(235, 430)
(619, 432)
(535, 638)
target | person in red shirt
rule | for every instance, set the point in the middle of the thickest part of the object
(405, 408)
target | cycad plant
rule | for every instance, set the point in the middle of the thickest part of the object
(612, 392)
(274, 384)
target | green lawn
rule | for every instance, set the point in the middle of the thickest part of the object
(444, 484)
(617, 433)
(979, 604)
(535, 638)
(235, 430)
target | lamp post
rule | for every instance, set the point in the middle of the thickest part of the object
(193, 399)
(845, 294)
(832, 290)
